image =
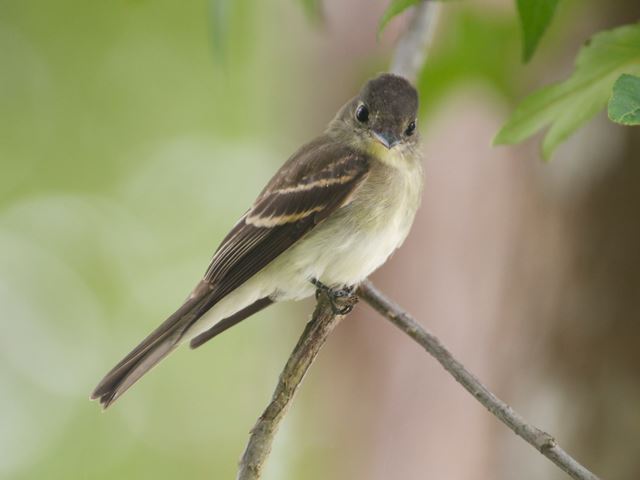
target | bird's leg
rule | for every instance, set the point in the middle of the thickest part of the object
(342, 300)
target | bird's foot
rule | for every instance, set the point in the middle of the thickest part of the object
(342, 300)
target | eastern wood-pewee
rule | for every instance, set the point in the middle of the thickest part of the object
(330, 216)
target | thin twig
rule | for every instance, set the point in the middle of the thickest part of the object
(411, 52)
(539, 439)
(322, 323)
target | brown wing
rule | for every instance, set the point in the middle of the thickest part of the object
(318, 179)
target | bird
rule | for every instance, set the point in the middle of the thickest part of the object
(331, 215)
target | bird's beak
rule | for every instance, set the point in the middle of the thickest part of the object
(386, 139)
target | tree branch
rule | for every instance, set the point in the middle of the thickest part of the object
(413, 46)
(409, 57)
(537, 438)
(322, 323)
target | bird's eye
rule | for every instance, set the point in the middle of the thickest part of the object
(411, 128)
(362, 114)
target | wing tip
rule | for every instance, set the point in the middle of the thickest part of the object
(104, 394)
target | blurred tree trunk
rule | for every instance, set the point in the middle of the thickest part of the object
(593, 316)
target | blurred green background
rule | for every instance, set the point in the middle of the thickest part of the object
(133, 134)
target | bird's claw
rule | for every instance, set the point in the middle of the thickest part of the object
(342, 300)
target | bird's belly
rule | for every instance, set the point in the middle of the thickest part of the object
(335, 254)
(343, 250)
(353, 241)
(353, 256)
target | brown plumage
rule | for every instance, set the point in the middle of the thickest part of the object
(299, 197)
(321, 178)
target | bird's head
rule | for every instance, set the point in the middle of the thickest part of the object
(383, 114)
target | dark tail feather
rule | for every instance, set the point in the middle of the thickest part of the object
(229, 322)
(162, 341)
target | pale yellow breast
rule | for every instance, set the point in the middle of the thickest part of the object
(391, 195)
(362, 235)
(359, 237)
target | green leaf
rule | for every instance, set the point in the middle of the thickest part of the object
(395, 8)
(624, 104)
(454, 60)
(567, 105)
(535, 17)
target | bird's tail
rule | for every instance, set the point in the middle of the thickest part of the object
(162, 341)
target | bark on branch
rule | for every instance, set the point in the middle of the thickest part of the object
(539, 439)
(322, 323)
(316, 332)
